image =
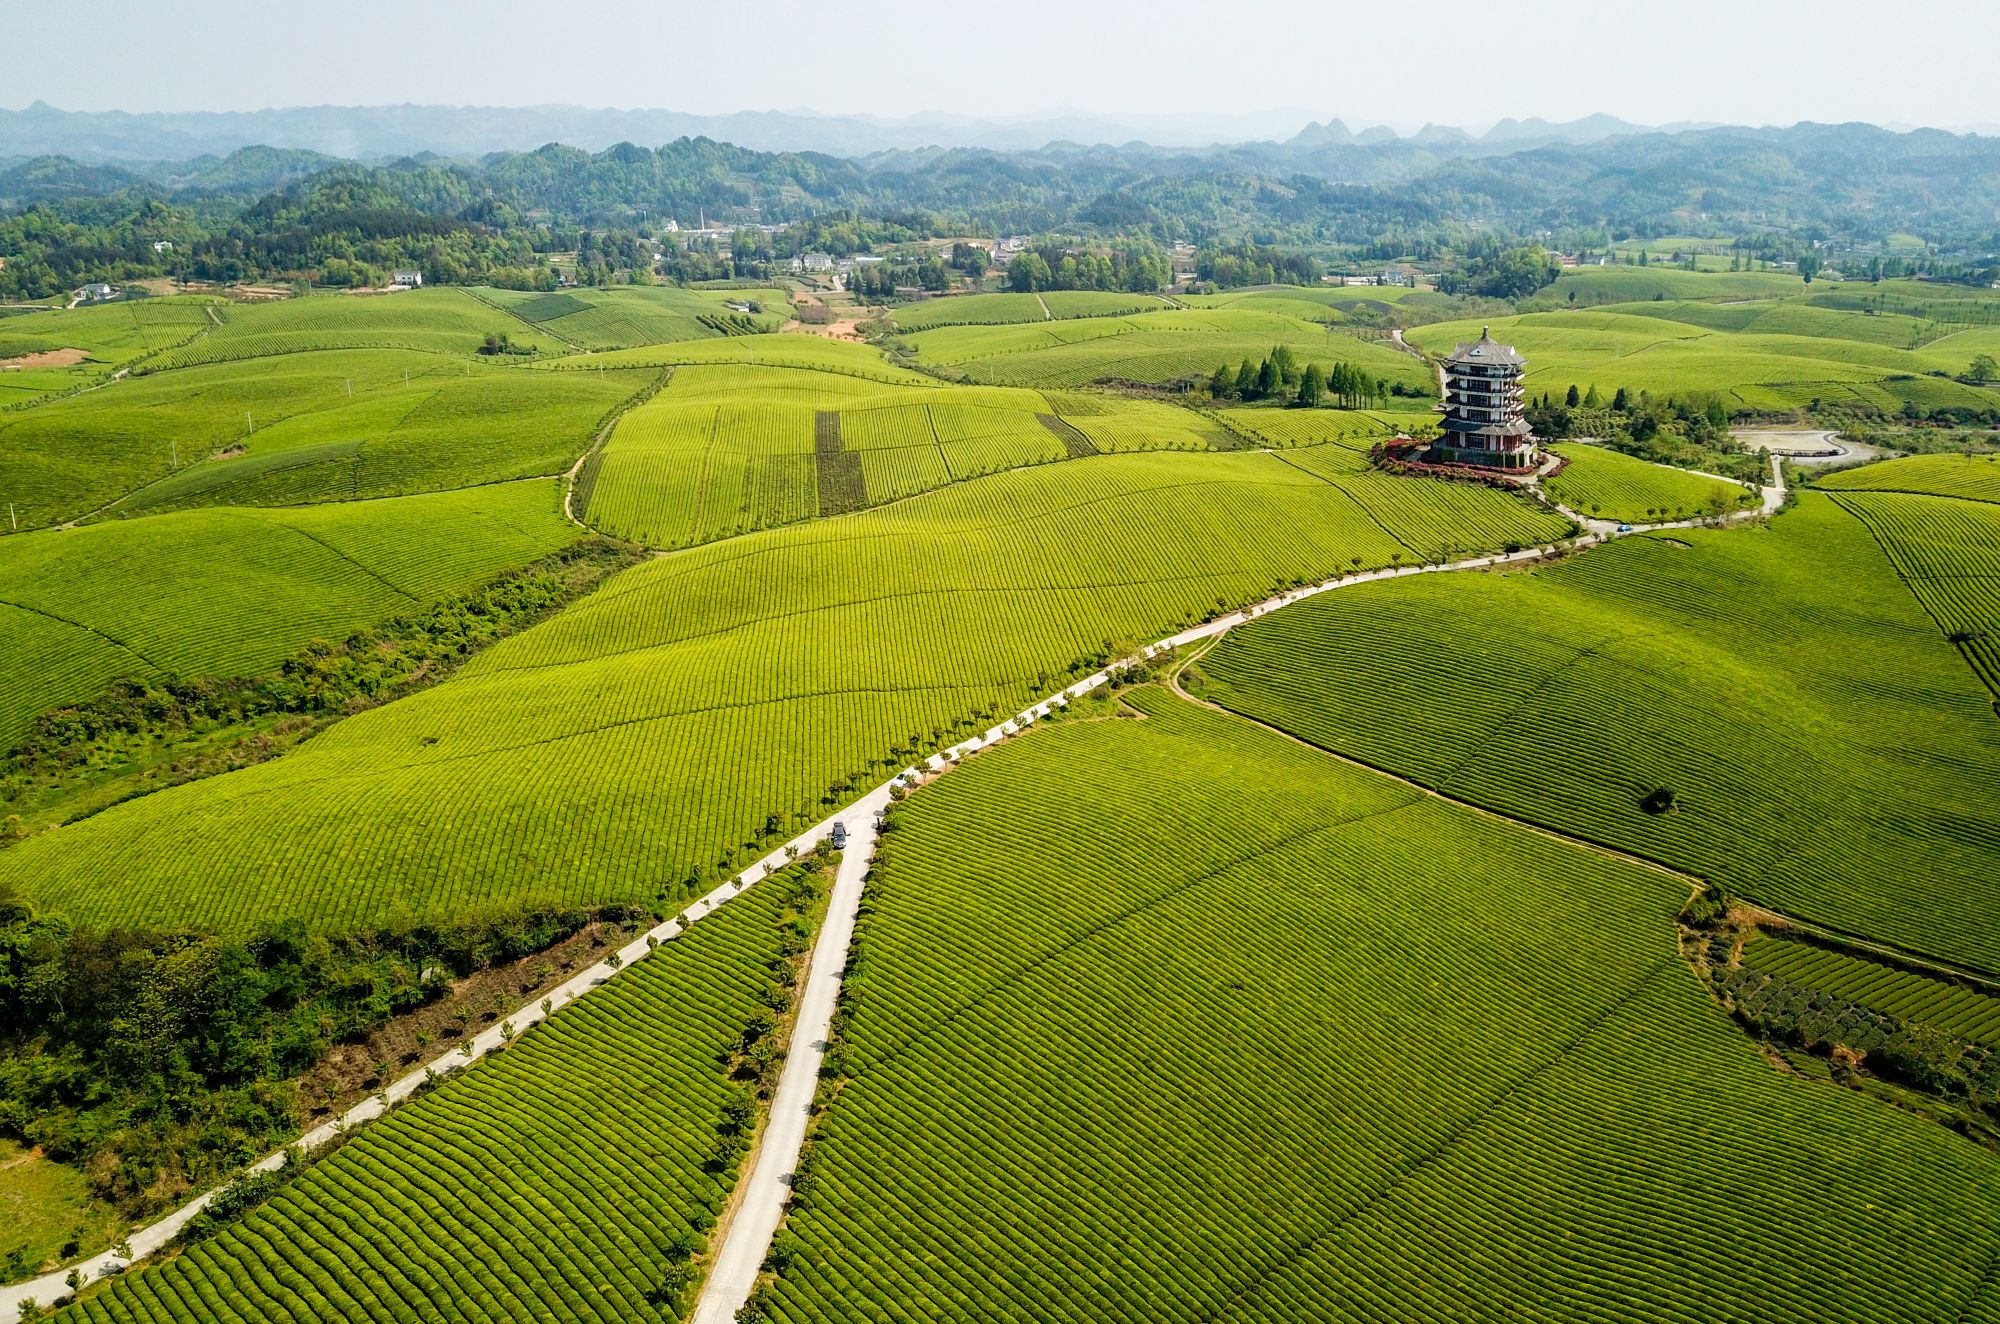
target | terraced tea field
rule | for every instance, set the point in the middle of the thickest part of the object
(1280, 1045)
(727, 449)
(1332, 304)
(1695, 350)
(567, 1178)
(702, 702)
(1947, 551)
(1357, 429)
(1594, 286)
(1780, 682)
(1156, 348)
(1606, 484)
(623, 317)
(436, 321)
(231, 592)
(1005, 309)
(1954, 1009)
(299, 427)
(812, 352)
(1975, 477)
(110, 336)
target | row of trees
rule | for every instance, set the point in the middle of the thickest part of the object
(1135, 267)
(1255, 264)
(1280, 376)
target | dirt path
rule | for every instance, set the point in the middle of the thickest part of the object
(1396, 339)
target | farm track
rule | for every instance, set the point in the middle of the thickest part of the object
(745, 1236)
(742, 1244)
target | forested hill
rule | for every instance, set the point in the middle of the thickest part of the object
(65, 221)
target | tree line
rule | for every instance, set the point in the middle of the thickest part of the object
(1053, 265)
(1281, 377)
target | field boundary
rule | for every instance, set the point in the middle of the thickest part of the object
(92, 630)
(583, 473)
(1694, 881)
(1944, 631)
(536, 327)
(1838, 492)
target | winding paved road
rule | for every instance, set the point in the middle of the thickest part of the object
(747, 1237)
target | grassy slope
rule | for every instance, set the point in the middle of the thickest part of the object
(787, 351)
(44, 1205)
(629, 741)
(230, 592)
(1287, 1041)
(1831, 754)
(550, 1183)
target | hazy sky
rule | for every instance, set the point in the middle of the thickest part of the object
(1463, 62)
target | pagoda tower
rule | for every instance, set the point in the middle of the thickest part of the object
(1483, 419)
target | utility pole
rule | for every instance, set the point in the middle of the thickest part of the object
(10, 517)
(175, 450)
(248, 426)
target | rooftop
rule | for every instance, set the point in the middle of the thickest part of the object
(1485, 350)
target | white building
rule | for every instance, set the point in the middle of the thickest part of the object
(408, 278)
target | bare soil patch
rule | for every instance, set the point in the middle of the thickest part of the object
(47, 358)
(351, 1072)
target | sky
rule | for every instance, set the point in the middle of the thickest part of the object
(1242, 63)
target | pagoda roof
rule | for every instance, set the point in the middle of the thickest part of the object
(1485, 350)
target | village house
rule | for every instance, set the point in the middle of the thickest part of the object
(407, 277)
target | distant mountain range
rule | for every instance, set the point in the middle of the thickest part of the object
(382, 133)
(1509, 134)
